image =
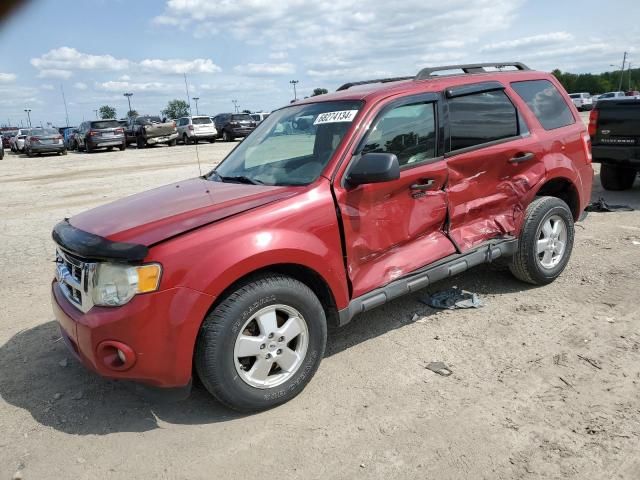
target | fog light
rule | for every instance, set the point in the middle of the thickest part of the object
(116, 355)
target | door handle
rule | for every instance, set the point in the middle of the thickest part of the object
(522, 157)
(427, 185)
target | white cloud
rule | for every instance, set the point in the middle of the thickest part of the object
(118, 86)
(553, 38)
(47, 86)
(7, 77)
(278, 55)
(66, 58)
(259, 69)
(55, 73)
(199, 65)
(80, 86)
(124, 78)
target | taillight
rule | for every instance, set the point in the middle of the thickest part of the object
(59, 137)
(93, 132)
(120, 130)
(593, 122)
(34, 139)
(586, 143)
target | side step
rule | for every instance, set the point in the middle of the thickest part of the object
(447, 267)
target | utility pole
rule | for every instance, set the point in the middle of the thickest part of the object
(64, 100)
(629, 76)
(96, 112)
(186, 86)
(295, 94)
(129, 95)
(28, 110)
(235, 104)
(624, 61)
(195, 99)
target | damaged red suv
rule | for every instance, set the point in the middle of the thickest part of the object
(331, 207)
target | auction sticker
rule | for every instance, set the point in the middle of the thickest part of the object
(332, 117)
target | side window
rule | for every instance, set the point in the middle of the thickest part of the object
(546, 103)
(480, 118)
(408, 131)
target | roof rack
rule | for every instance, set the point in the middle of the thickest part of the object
(427, 73)
(470, 68)
(377, 80)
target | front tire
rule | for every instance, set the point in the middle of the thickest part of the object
(262, 344)
(615, 177)
(545, 243)
(227, 137)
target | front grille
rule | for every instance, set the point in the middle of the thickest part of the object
(73, 275)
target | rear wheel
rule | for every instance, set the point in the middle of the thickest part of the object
(87, 147)
(29, 152)
(110, 149)
(140, 141)
(226, 136)
(185, 139)
(123, 146)
(545, 242)
(212, 140)
(172, 143)
(64, 151)
(262, 344)
(615, 177)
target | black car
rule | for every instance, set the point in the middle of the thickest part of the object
(100, 134)
(232, 125)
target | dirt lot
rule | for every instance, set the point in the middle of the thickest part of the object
(545, 381)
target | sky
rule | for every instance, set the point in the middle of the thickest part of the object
(250, 50)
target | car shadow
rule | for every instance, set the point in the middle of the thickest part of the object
(629, 197)
(40, 376)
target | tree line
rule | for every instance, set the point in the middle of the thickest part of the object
(596, 83)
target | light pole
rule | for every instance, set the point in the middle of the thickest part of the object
(28, 110)
(195, 99)
(129, 95)
(235, 104)
(624, 60)
(629, 76)
(295, 94)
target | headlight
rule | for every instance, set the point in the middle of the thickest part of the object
(115, 285)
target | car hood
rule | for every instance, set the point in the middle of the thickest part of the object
(155, 215)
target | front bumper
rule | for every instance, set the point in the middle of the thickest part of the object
(618, 154)
(159, 329)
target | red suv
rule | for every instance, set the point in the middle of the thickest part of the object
(332, 206)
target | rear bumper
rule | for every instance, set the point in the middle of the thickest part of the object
(157, 330)
(47, 148)
(241, 132)
(629, 156)
(98, 142)
(162, 139)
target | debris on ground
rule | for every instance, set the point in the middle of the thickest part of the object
(601, 205)
(590, 361)
(440, 368)
(452, 298)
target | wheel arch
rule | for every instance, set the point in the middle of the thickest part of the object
(563, 188)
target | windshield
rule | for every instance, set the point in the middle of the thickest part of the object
(291, 147)
(201, 120)
(105, 124)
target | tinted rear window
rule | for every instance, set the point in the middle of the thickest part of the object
(148, 120)
(546, 103)
(481, 118)
(105, 124)
(575, 95)
(201, 120)
(241, 117)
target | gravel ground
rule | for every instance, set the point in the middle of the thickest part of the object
(545, 381)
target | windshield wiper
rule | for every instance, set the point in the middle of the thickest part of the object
(240, 179)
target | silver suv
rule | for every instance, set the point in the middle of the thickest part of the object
(582, 101)
(192, 129)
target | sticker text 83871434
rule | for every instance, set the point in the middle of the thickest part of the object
(331, 117)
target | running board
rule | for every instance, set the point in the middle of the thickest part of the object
(447, 267)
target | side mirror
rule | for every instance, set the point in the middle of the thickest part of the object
(374, 168)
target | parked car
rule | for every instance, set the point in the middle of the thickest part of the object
(44, 140)
(2, 150)
(18, 140)
(68, 137)
(233, 125)
(614, 127)
(6, 139)
(151, 130)
(632, 93)
(582, 101)
(95, 134)
(193, 129)
(258, 117)
(608, 96)
(239, 272)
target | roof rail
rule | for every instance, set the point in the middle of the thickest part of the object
(427, 73)
(377, 80)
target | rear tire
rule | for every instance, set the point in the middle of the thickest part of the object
(123, 146)
(545, 242)
(29, 153)
(275, 318)
(87, 147)
(64, 152)
(226, 136)
(172, 143)
(140, 142)
(212, 140)
(615, 177)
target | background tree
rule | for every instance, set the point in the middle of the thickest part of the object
(246, 111)
(107, 111)
(132, 114)
(319, 91)
(176, 109)
(595, 83)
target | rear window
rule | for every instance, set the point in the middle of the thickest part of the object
(201, 120)
(481, 118)
(148, 120)
(105, 124)
(575, 95)
(546, 103)
(243, 117)
(43, 131)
